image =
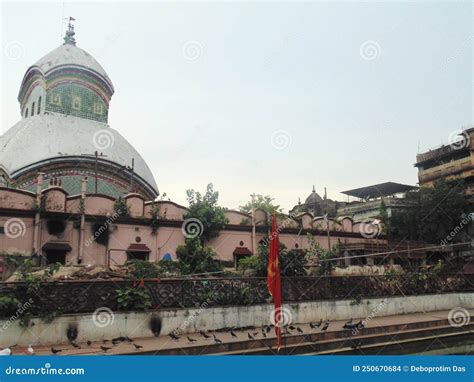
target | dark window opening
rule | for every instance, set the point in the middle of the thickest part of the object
(39, 105)
(26, 113)
(404, 263)
(379, 260)
(55, 256)
(358, 260)
(32, 109)
(138, 255)
(56, 227)
(433, 258)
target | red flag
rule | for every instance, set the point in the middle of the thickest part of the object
(273, 281)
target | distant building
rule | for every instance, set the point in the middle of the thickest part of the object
(317, 206)
(370, 200)
(453, 162)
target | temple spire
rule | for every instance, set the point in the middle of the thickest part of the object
(69, 37)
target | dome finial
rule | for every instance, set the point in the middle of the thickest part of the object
(69, 37)
(314, 189)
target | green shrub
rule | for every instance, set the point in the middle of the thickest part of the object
(249, 262)
(131, 298)
(292, 263)
(171, 268)
(8, 306)
(197, 258)
(142, 269)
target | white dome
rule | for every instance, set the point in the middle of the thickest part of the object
(49, 136)
(71, 55)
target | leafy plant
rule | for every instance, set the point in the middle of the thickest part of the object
(130, 298)
(249, 262)
(292, 263)
(196, 257)
(441, 207)
(8, 306)
(142, 269)
(121, 207)
(323, 257)
(207, 211)
(154, 218)
(171, 268)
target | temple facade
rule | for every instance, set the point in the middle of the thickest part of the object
(74, 191)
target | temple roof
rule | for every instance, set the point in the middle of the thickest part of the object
(313, 197)
(70, 55)
(45, 137)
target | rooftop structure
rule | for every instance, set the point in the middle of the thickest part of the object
(454, 161)
(379, 190)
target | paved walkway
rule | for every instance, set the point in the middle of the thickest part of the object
(155, 344)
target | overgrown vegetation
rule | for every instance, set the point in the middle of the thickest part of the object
(133, 298)
(121, 207)
(263, 202)
(322, 256)
(435, 213)
(8, 306)
(141, 269)
(292, 263)
(194, 257)
(205, 208)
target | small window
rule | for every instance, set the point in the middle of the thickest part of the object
(98, 108)
(76, 103)
(26, 113)
(39, 105)
(32, 109)
(56, 99)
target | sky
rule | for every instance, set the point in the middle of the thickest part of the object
(264, 97)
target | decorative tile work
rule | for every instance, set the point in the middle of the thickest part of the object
(73, 99)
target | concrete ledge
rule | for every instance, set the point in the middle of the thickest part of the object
(192, 320)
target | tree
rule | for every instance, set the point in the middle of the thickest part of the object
(322, 256)
(436, 211)
(196, 257)
(292, 263)
(384, 218)
(204, 208)
(262, 202)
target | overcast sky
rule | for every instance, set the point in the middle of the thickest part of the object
(265, 97)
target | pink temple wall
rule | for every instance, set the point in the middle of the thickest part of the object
(136, 229)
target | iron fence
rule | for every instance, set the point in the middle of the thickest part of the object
(87, 296)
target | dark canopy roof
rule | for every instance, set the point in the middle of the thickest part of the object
(378, 190)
